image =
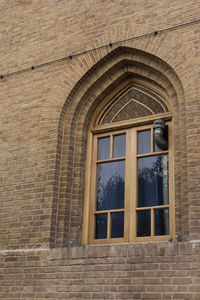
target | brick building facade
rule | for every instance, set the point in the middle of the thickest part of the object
(59, 61)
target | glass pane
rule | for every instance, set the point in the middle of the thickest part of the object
(110, 185)
(101, 226)
(104, 148)
(119, 145)
(153, 184)
(165, 135)
(162, 221)
(144, 223)
(117, 227)
(144, 141)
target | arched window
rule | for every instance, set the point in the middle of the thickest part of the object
(129, 173)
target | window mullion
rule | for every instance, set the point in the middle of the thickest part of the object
(152, 140)
(127, 190)
(152, 222)
(109, 225)
(93, 191)
(132, 183)
(111, 146)
(171, 181)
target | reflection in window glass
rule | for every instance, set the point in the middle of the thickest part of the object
(117, 225)
(104, 148)
(101, 226)
(119, 145)
(144, 141)
(162, 221)
(110, 185)
(153, 185)
(144, 223)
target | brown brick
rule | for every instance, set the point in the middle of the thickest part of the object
(45, 112)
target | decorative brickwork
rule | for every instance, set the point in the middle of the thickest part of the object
(82, 102)
(135, 103)
(82, 51)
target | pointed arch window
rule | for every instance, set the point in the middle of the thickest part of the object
(129, 177)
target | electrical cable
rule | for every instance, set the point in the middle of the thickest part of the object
(70, 57)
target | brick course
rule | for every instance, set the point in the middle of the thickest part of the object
(139, 271)
(45, 112)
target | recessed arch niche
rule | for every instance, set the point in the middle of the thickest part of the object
(144, 71)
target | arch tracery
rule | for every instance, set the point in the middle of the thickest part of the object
(134, 102)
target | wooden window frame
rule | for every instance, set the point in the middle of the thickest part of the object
(130, 127)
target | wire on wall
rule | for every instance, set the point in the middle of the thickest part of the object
(70, 57)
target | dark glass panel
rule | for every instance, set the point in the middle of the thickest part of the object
(162, 221)
(104, 148)
(119, 145)
(101, 226)
(117, 225)
(165, 135)
(144, 223)
(144, 141)
(153, 184)
(110, 185)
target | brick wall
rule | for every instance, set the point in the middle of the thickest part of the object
(38, 142)
(140, 271)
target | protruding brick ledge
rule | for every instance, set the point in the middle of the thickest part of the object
(124, 271)
(118, 250)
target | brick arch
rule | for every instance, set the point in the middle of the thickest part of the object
(85, 97)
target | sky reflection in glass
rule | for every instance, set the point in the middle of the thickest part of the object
(117, 227)
(162, 221)
(119, 145)
(153, 185)
(104, 148)
(110, 185)
(101, 226)
(144, 223)
(144, 141)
